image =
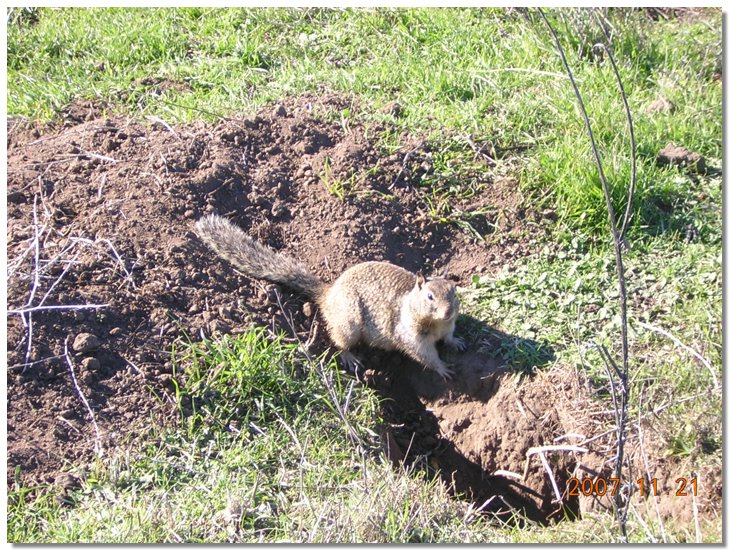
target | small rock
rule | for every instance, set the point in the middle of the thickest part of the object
(87, 378)
(308, 309)
(676, 155)
(226, 312)
(90, 364)
(67, 481)
(16, 197)
(393, 109)
(85, 342)
(277, 209)
(661, 105)
(221, 327)
(109, 145)
(279, 110)
(116, 331)
(302, 170)
(189, 214)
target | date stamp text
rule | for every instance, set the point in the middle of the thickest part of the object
(601, 486)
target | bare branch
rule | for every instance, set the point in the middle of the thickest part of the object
(57, 307)
(97, 445)
(621, 501)
(552, 448)
(58, 280)
(114, 254)
(36, 278)
(96, 156)
(36, 246)
(550, 475)
(158, 120)
(680, 344)
(631, 192)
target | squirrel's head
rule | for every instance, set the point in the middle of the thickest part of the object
(436, 298)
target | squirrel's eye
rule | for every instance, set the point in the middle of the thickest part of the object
(430, 295)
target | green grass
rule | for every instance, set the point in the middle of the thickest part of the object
(260, 433)
(271, 447)
(486, 72)
(262, 451)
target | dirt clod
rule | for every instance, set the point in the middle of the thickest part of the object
(90, 364)
(673, 154)
(393, 109)
(661, 105)
(85, 343)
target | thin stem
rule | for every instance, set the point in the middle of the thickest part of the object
(631, 192)
(621, 502)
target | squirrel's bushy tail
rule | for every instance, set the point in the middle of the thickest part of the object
(254, 259)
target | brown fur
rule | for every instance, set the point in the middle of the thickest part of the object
(376, 303)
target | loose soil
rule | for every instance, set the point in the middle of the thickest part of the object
(101, 211)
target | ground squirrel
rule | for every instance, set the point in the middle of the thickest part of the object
(376, 303)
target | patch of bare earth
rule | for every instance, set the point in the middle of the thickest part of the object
(101, 213)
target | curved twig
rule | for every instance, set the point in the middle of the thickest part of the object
(621, 501)
(631, 192)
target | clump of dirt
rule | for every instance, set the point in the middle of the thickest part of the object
(675, 155)
(660, 105)
(106, 278)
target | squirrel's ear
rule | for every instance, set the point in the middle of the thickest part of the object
(419, 280)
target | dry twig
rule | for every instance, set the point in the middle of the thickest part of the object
(404, 164)
(641, 445)
(158, 120)
(98, 448)
(621, 502)
(680, 344)
(115, 255)
(23, 311)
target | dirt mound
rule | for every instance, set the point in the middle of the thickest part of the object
(101, 213)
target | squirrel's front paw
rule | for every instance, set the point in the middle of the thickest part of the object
(445, 371)
(350, 361)
(456, 342)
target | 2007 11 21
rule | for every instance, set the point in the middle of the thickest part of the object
(601, 486)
